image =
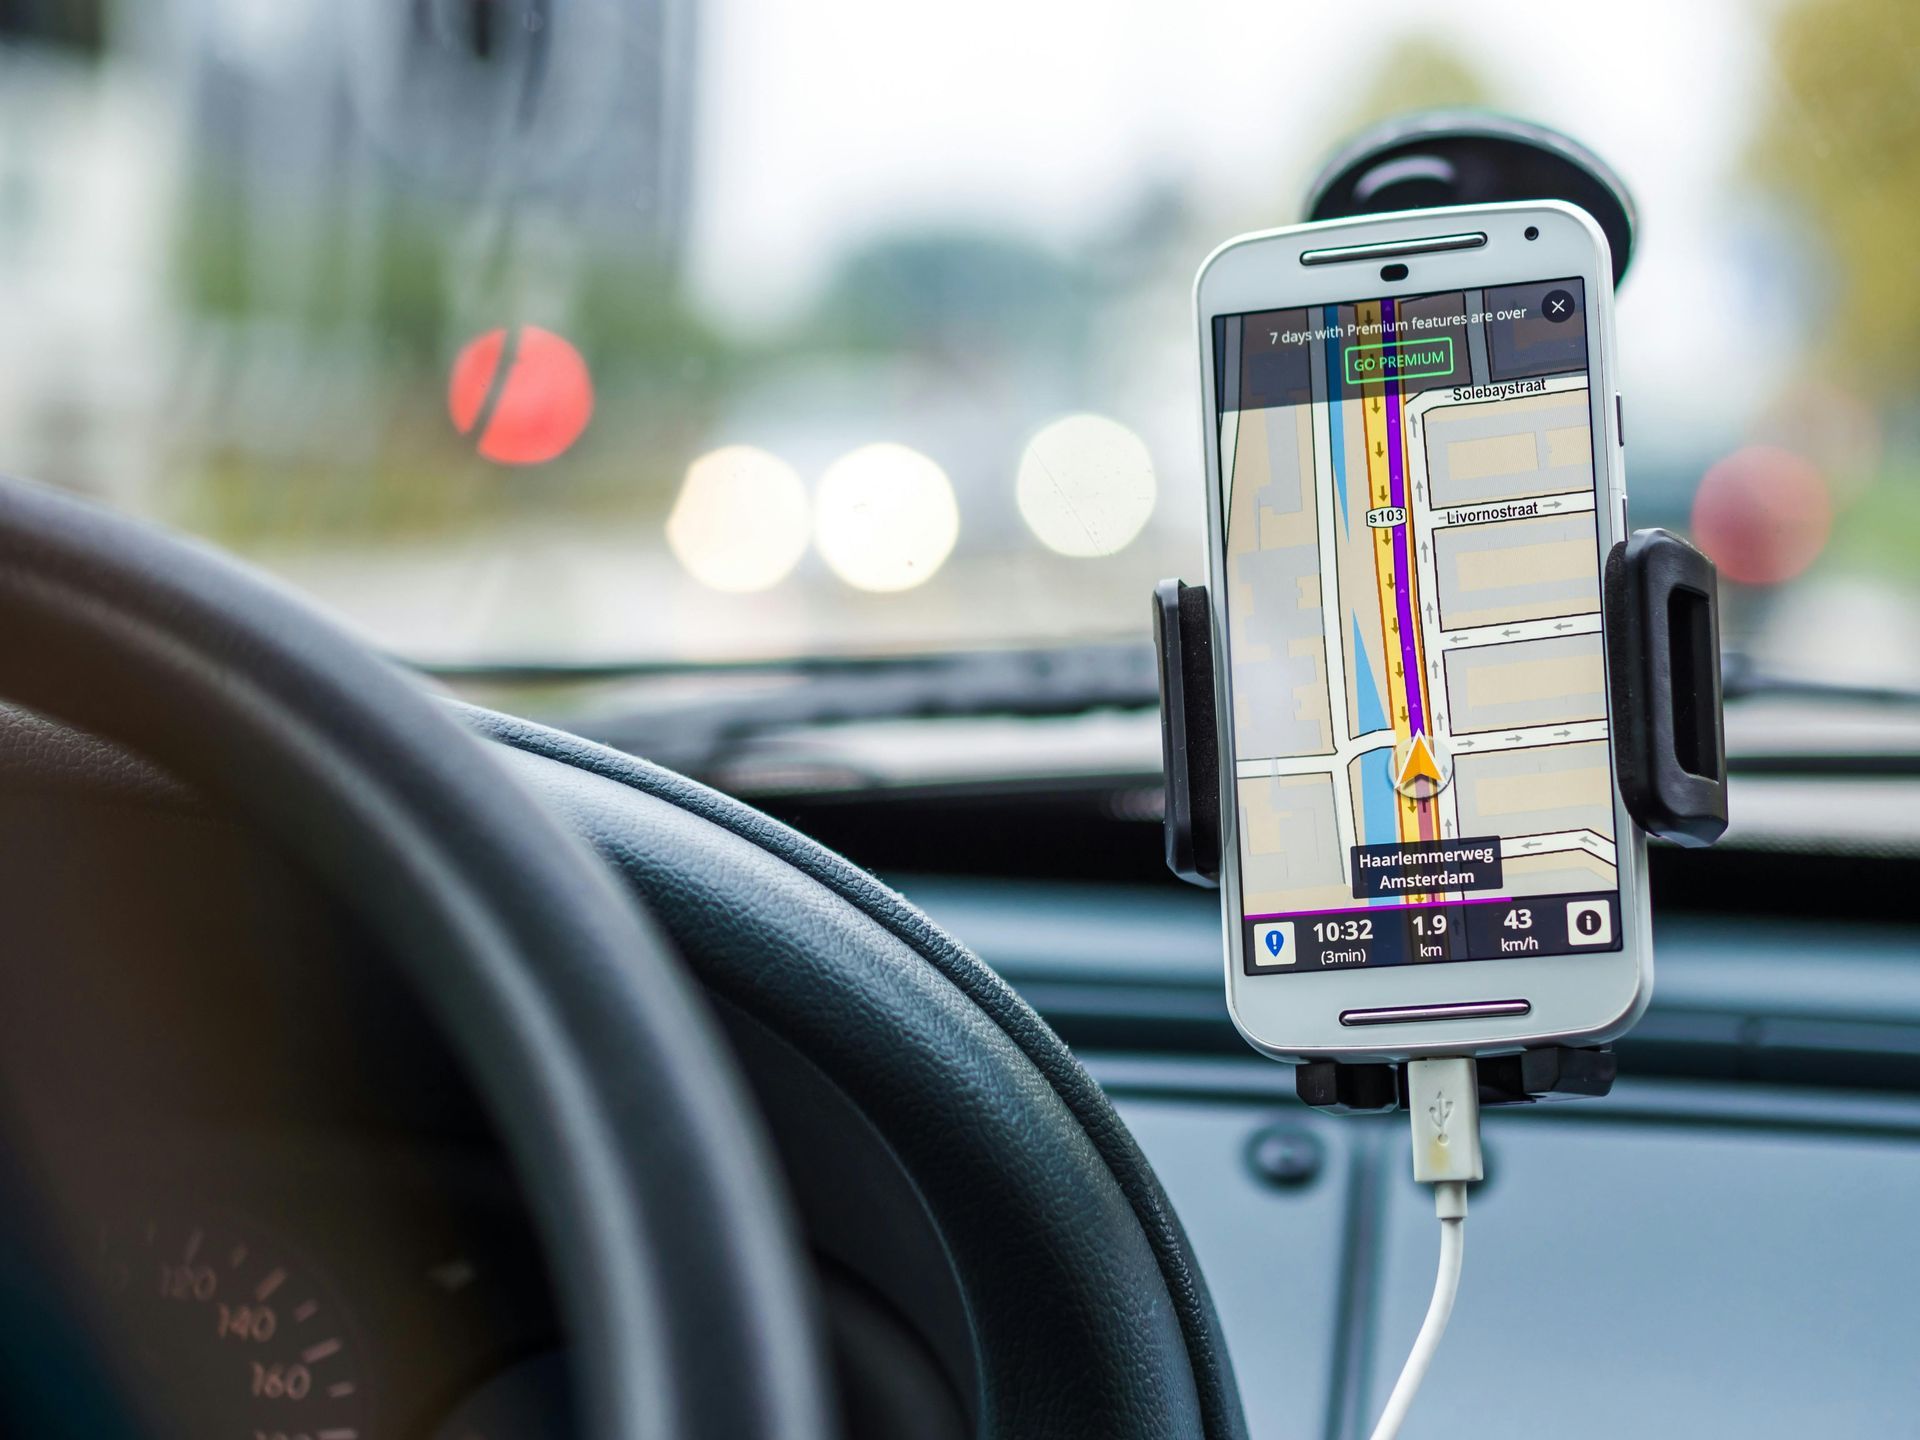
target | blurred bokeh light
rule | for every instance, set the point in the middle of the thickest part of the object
(536, 409)
(1763, 514)
(740, 523)
(1086, 486)
(885, 517)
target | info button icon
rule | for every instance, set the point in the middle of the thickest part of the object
(1589, 922)
(1273, 944)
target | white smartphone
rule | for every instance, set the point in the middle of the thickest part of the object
(1414, 477)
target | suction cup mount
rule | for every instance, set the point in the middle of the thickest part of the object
(1471, 157)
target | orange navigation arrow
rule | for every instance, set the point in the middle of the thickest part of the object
(1419, 764)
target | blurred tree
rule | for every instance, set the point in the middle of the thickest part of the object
(952, 292)
(1841, 144)
(1421, 71)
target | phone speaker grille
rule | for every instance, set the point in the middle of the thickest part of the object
(1385, 249)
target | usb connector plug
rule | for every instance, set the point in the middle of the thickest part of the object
(1443, 1097)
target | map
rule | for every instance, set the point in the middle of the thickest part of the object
(1413, 609)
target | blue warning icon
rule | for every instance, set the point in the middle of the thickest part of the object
(1275, 939)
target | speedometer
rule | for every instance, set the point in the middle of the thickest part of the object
(232, 1337)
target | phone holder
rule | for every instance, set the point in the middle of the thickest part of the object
(1660, 617)
(1660, 613)
(1659, 600)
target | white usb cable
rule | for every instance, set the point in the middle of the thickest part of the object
(1443, 1097)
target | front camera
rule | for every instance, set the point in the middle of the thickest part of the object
(1533, 232)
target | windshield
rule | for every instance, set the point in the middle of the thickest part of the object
(627, 330)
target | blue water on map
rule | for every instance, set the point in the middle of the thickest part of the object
(1371, 714)
(1379, 824)
(1339, 444)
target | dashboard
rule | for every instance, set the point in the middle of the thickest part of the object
(258, 1194)
(254, 1183)
(315, 1286)
(1722, 1246)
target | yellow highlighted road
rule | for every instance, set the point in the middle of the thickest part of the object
(1380, 489)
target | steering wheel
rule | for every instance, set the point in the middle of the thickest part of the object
(670, 1246)
(682, 1286)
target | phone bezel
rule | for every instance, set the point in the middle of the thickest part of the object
(1579, 998)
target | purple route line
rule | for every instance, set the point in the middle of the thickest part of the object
(1383, 909)
(1402, 548)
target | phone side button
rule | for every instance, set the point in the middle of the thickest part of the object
(1410, 1014)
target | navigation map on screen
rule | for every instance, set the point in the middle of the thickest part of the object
(1412, 600)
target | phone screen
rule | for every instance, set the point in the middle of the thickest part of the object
(1412, 603)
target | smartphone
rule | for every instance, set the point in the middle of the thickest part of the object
(1414, 477)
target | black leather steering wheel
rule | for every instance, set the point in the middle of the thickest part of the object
(672, 1251)
(1090, 1318)
(669, 1243)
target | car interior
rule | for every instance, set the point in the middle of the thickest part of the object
(517, 928)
